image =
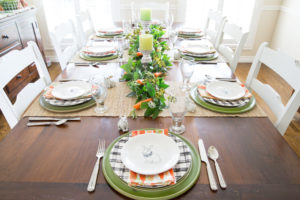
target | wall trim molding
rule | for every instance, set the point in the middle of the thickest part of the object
(271, 7)
(285, 9)
(291, 11)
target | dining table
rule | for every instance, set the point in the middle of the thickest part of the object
(55, 162)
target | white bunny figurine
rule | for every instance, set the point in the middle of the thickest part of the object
(123, 124)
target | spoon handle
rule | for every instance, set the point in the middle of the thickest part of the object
(220, 175)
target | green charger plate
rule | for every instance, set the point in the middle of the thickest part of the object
(66, 109)
(167, 192)
(107, 36)
(215, 56)
(229, 110)
(89, 58)
(190, 36)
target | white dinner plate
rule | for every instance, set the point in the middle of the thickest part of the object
(189, 31)
(71, 89)
(198, 49)
(150, 153)
(225, 90)
(110, 31)
(99, 51)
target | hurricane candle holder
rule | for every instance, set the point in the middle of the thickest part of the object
(146, 56)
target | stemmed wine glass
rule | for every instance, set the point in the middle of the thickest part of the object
(187, 70)
(177, 108)
(99, 92)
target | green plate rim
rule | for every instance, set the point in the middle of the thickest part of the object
(228, 110)
(216, 55)
(88, 58)
(66, 109)
(171, 191)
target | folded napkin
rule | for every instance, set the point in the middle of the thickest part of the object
(162, 179)
(48, 92)
(203, 93)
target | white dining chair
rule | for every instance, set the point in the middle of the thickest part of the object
(11, 64)
(65, 42)
(214, 25)
(285, 67)
(237, 39)
(85, 27)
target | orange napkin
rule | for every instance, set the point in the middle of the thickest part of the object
(165, 178)
(203, 93)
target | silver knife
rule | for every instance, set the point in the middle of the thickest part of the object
(211, 178)
(52, 119)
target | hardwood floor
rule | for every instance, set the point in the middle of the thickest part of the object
(292, 135)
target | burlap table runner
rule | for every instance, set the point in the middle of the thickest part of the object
(119, 105)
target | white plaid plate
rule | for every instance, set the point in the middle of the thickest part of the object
(227, 103)
(180, 169)
(73, 102)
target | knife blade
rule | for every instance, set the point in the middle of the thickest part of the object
(203, 155)
(52, 119)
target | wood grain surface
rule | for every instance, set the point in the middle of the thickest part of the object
(56, 162)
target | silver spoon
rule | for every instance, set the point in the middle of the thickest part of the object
(58, 123)
(209, 77)
(213, 154)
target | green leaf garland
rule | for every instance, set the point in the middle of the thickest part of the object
(145, 81)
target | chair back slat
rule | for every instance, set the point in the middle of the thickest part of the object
(17, 61)
(287, 69)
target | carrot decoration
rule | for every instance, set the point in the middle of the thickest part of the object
(140, 81)
(138, 105)
(157, 74)
(138, 54)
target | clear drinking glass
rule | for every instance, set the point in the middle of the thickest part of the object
(177, 108)
(99, 92)
(187, 70)
(119, 42)
(172, 38)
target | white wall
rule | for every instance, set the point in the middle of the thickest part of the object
(286, 36)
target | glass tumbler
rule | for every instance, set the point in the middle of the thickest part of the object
(99, 92)
(187, 70)
(177, 109)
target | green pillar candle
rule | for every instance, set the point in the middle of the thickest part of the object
(146, 14)
(146, 42)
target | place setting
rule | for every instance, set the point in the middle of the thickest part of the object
(108, 33)
(190, 33)
(200, 50)
(151, 163)
(224, 96)
(103, 51)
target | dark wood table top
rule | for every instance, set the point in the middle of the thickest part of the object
(56, 162)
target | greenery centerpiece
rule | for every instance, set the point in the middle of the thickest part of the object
(147, 80)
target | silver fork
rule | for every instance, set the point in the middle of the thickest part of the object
(99, 155)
